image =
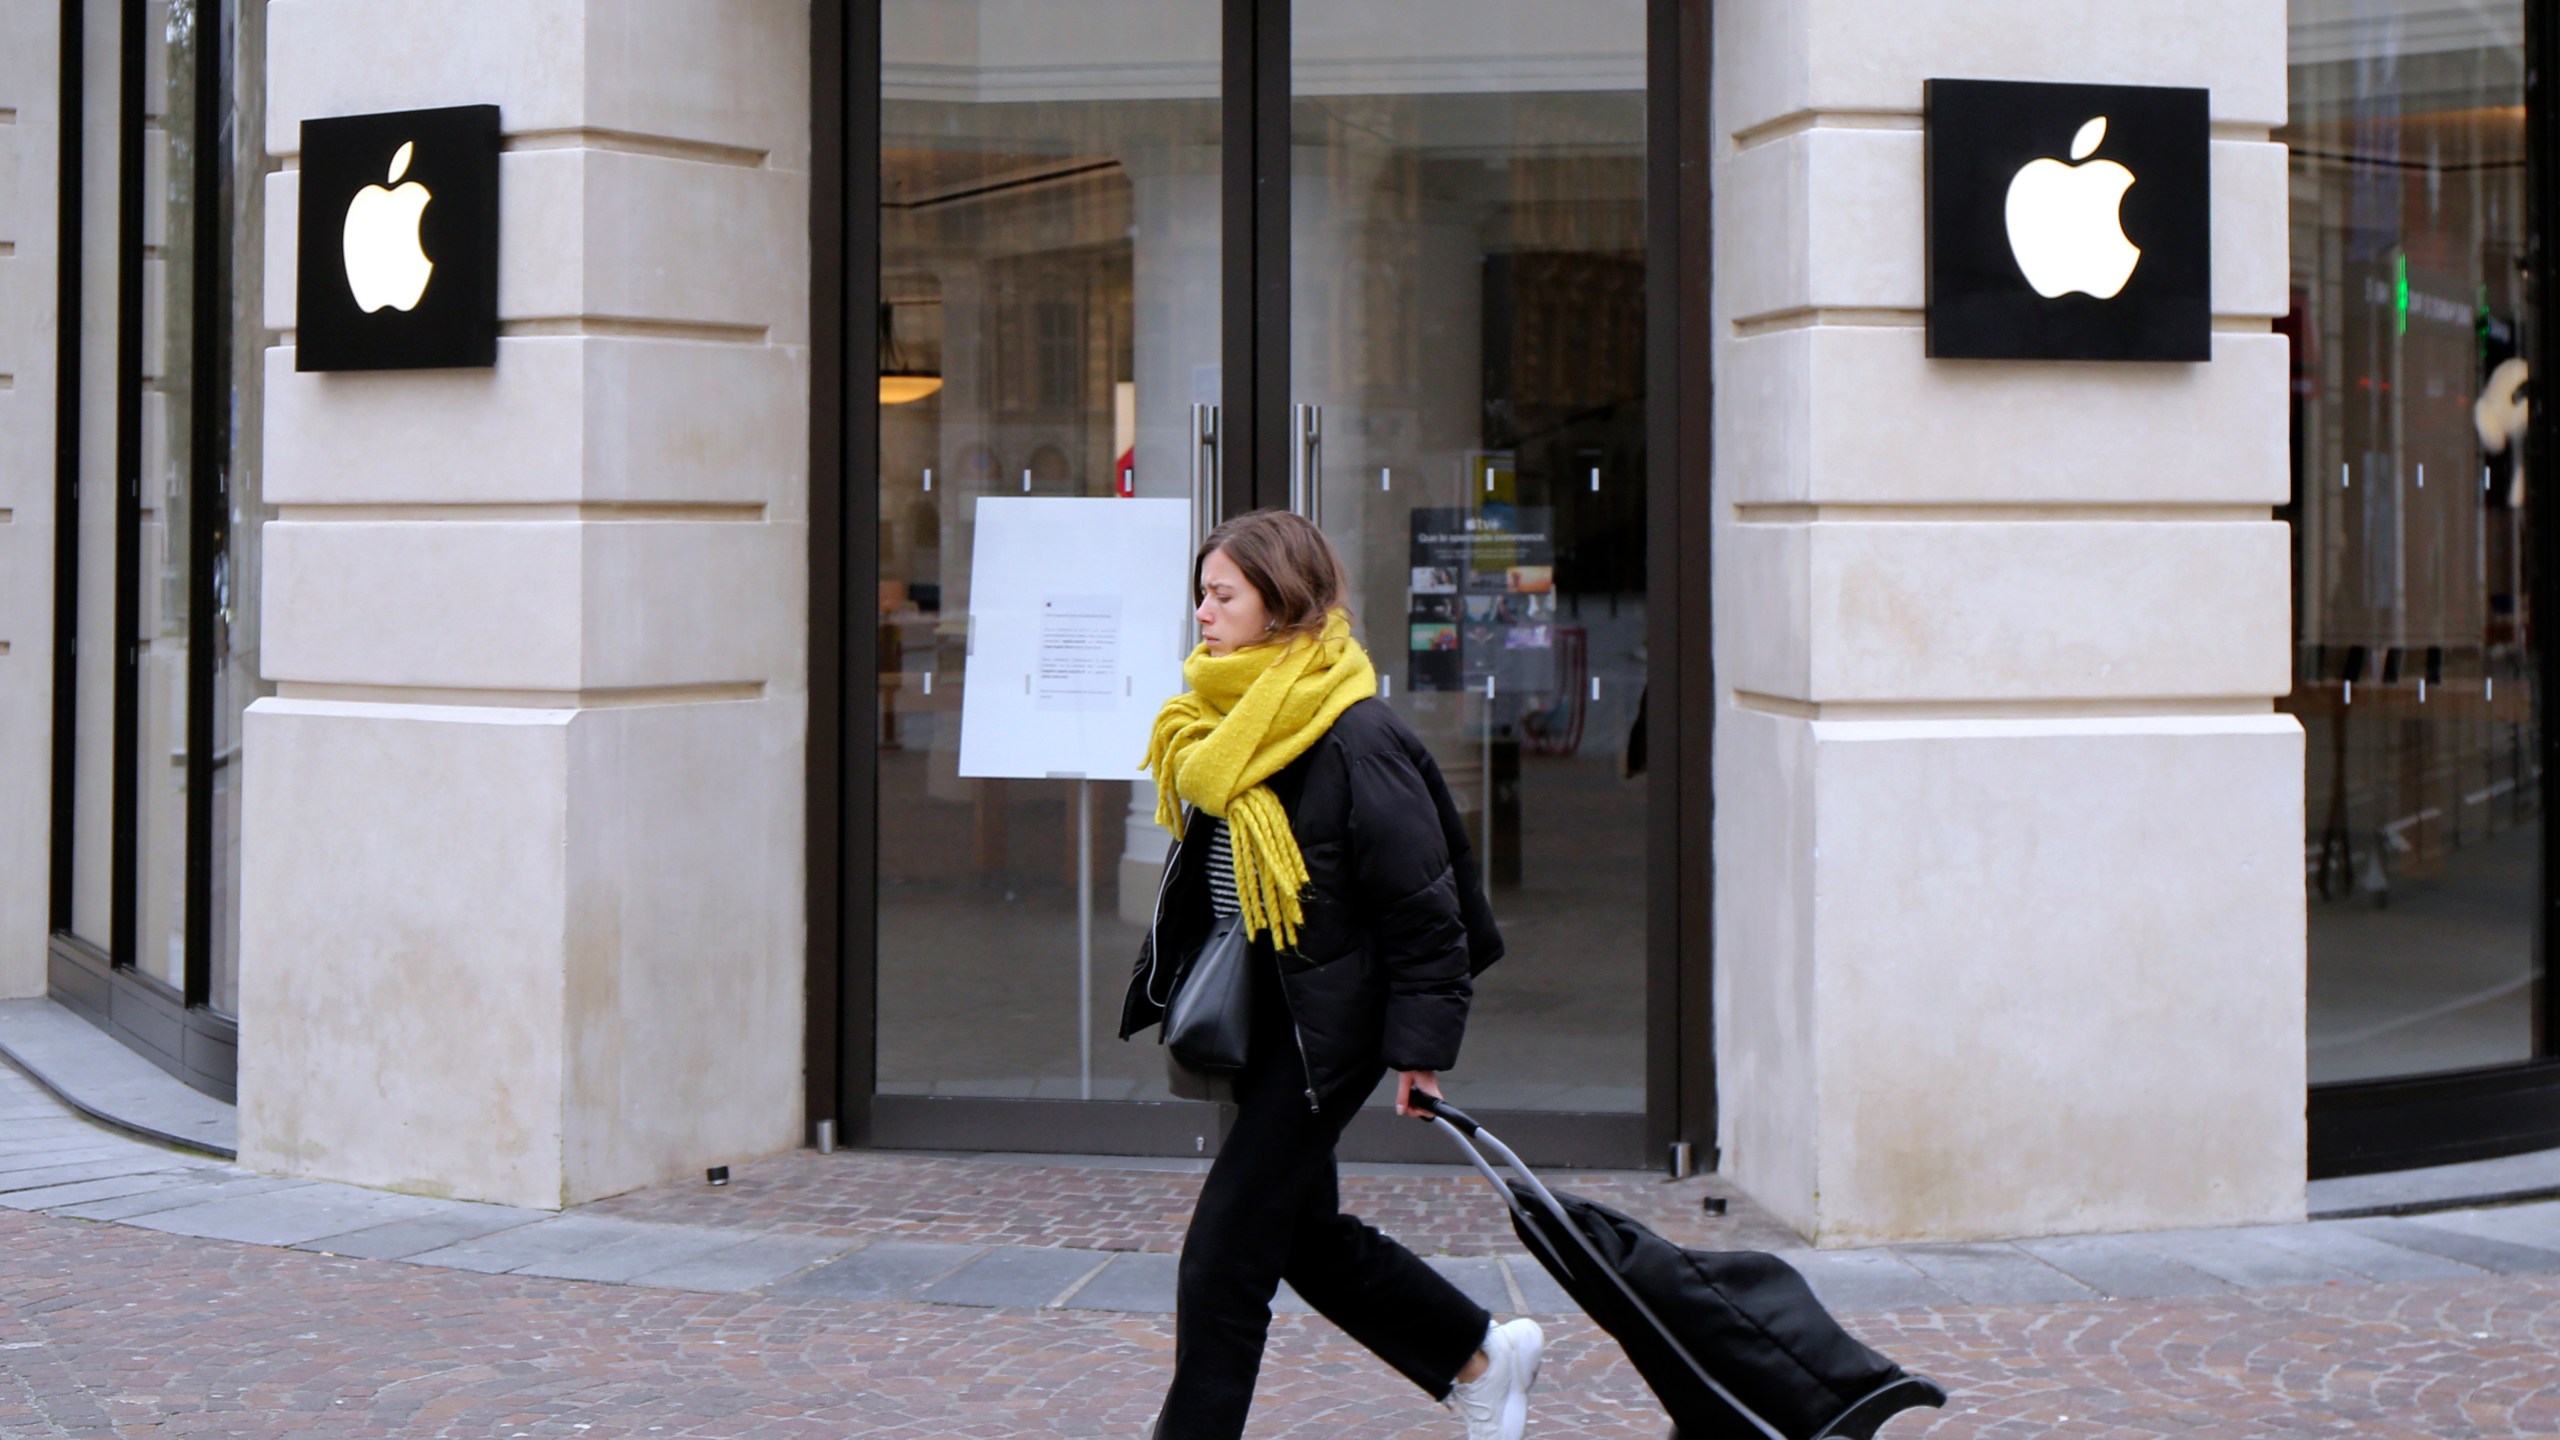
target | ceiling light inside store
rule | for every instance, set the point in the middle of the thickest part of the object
(907, 387)
(901, 383)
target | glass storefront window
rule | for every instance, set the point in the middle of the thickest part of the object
(2417, 659)
(172, 344)
(241, 504)
(1049, 274)
(1467, 277)
(1465, 293)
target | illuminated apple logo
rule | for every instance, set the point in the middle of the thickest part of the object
(2064, 221)
(385, 264)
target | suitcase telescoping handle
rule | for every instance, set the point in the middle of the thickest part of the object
(1462, 1128)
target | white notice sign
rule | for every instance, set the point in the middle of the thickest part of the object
(1078, 621)
(1079, 653)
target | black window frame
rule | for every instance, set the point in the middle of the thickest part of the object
(1680, 1103)
(175, 1027)
(2361, 1127)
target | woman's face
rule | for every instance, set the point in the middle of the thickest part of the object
(1231, 612)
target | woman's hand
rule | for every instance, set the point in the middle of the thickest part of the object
(1408, 1081)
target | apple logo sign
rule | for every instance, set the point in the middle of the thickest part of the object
(2065, 224)
(396, 262)
(2068, 221)
(385, 264)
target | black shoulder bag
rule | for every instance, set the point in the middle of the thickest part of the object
(1210, 1016)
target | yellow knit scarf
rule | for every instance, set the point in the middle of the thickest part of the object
(1247, 714)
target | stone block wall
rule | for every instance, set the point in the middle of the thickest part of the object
(30, 141)
(2010, 925)
(523, 887)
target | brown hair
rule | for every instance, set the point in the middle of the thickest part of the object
(1287, 561)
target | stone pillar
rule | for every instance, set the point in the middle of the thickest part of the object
(522, 893)
(2009, 912)
(30, 141)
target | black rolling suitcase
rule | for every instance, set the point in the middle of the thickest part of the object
(1732, 1342)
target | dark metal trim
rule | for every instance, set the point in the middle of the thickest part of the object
(2542, 212)
(822, 1052)
(147, 1015)
(208, 450)
(967, 1123)
(1680, 1076)
(2364, 1127)
(844, 564)
(125, 842)
(1253, 441)
(71, 193)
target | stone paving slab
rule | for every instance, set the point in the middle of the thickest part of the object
(101, 1076)
(114, 1188)
(201, 1187)
(76, 1153)
(1539, 1292)
(2237, 1256)
(743, 1265)
(1993, 1274)
(2498, 1256)
(2536, 1226)
(543, 1242)
(882, 1270)
(1135, 1282)
(49, 1175)
(616, 1261)
(1015, 1275)
(402, 1239)
(2374, 1259)
(1866, 1280)
(20, 1138)
(1480, 1278)
(290, 1217)
(2436, 1187)
(2121, 1270)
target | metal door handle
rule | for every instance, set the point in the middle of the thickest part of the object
(1306, 469)
(1204, 474)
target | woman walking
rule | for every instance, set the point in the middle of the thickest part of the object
(1301, 805)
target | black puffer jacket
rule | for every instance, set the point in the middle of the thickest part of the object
(1396, 920)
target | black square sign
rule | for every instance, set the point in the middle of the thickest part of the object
(399, 241)
(2069, 222)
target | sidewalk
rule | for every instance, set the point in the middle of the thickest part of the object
(1099, 1234)
(146, 1292)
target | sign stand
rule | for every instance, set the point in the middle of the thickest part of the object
(1084, 938)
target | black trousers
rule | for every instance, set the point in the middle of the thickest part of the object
(1271, 1209)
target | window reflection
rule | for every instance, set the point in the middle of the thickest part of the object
(1050, 260)
(2416, 662)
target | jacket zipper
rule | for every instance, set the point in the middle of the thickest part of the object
(1305, 1065)
(1155, 951)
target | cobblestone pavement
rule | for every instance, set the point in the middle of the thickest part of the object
(111, 1331)
(990, 1202)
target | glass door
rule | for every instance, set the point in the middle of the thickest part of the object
(1467, 371)
(1049, 325)
(1384, 264)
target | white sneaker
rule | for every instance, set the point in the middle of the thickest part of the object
(1496, 1403)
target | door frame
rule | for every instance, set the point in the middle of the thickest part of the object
(173, 1026)
(844, 649)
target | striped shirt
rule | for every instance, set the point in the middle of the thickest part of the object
(1222, 870)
